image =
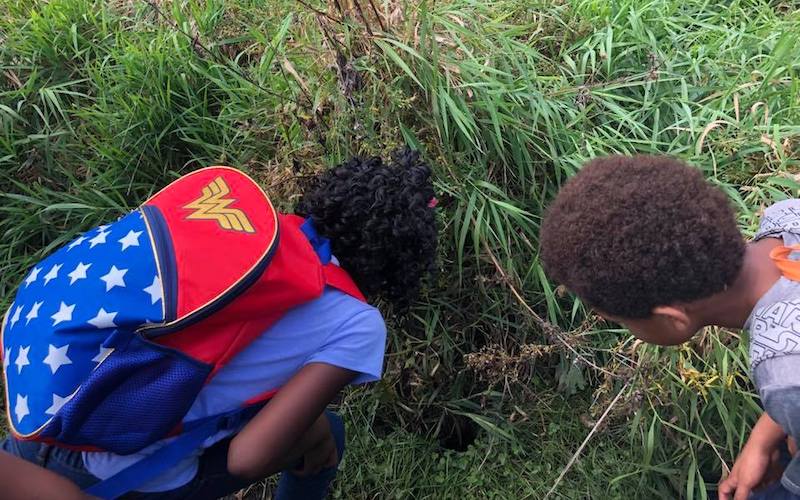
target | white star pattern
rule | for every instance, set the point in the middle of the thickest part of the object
(99, 239)
(64, 314)
(103, 354)
(32, 277)
(22, 358)
(15, 317)
(78, 273)
(34, 312)
(56, 326)
(52, 274)
(75, 243)
(130, 240)
(103, 319)
(155, 290)
(114, 278)
(57, 357)
(58, 402)
(21, 409)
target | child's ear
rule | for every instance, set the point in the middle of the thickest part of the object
(676, 316)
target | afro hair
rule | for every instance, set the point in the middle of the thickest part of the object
(629, 233)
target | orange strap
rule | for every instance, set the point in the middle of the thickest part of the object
(789, 268)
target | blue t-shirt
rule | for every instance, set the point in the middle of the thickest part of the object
(336, 329)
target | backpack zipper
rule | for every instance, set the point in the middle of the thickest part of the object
(165, 256)
(151, 331)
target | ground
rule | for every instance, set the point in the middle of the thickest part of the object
(496, 377)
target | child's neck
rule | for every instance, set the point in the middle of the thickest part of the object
(732, 307)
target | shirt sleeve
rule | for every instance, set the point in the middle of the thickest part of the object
(358, 345)
(782, 217)
(780, 395)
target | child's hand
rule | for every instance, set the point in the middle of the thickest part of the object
(758, 464)
(292, 426)
(321, 456)
(753, 468)
(25, 481)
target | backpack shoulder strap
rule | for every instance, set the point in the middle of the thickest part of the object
(335, 276)
(788, 267)
(338, 278)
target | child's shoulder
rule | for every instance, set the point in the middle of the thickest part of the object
(343, 303)
(335, 310)
(788, 207)
(783, 216)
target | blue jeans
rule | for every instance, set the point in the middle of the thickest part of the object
(775, 491)
(211, 482)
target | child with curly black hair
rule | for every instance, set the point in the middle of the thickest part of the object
(649, 243)
(379, 222)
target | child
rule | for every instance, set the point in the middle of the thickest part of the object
(649, 243)
(380, 223)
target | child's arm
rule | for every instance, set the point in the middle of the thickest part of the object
(753, 464)
(23, 480)
(291, 425)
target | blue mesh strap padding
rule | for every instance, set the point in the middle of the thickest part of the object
(159, 462)
(135, 397)
(321, 245)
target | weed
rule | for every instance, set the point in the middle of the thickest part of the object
(102, 103)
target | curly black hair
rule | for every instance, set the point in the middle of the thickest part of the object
(627, 234)
(380, 221)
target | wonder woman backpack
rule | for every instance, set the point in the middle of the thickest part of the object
(109, 339)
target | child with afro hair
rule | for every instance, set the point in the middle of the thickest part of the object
(650, 244)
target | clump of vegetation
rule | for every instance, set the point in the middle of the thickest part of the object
(496, 376)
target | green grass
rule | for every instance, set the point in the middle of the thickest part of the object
(101, 103)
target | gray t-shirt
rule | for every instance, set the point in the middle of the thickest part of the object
(774, 327)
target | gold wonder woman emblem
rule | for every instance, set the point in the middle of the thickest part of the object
(213, 205)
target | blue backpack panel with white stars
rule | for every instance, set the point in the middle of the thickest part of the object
(66, 319)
